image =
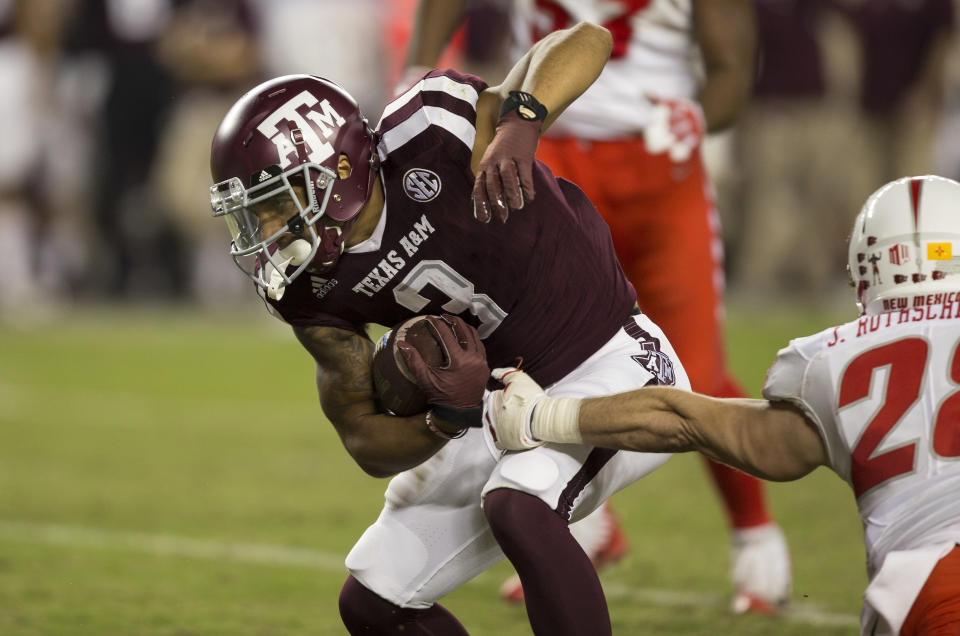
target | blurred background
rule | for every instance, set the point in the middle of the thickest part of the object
(164, 466)
(109, 106)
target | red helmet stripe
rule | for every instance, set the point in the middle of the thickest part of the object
(915, 185)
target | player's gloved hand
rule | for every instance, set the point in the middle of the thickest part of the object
(677, 127)
(504, 178)
(454, 390)
(521, 416)
(511, 410)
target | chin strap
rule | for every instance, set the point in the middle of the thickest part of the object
(332, 244)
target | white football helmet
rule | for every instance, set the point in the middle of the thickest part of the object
(906, 244)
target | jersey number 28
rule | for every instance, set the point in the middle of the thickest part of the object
(907, 362)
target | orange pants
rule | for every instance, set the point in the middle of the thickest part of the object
(668, 238)
(936, 610)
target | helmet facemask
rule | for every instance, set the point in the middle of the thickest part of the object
(260, 256)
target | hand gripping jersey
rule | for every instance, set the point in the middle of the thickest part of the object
(653, 54)
(545, 286)
(884, 392)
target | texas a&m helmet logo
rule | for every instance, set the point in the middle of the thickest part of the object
(421, 185)
(301, 120)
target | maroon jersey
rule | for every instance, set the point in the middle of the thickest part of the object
(546, 285)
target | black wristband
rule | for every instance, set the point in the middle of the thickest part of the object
(464, 418)
(525, 104)
(439, 432)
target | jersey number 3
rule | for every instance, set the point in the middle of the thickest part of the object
(907, 362)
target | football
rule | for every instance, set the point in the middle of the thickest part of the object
(395, 385)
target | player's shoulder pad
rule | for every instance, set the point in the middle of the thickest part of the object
(443, 100)
(438, 91)
(785, 377)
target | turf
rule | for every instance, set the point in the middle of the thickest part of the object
(170, 472)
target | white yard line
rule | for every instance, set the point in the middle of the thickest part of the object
(19, 398)
(170, 545)
(278, 555)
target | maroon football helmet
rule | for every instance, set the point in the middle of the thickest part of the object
(291, 131)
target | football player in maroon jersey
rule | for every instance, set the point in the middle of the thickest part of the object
(442, 209)
(679, 69)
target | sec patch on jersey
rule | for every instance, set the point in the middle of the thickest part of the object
(396, 387)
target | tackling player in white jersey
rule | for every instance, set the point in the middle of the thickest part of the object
(877, 400)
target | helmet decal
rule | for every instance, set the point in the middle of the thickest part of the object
(900, 254)
(916, 185)
(939, 251)
(310, 126)
(901, 251)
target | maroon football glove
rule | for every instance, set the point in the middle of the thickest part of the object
(460, 383)
(505, 175)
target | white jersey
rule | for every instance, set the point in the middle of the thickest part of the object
(653, 54)
(884, 392)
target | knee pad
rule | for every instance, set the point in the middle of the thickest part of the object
(384, 558)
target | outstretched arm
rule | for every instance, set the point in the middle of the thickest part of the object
(766, 439)
(771, 440)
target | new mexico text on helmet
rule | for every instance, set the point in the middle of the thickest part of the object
(905, 243)
(291, 131)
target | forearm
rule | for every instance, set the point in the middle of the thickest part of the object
(381, 444)
(384, 445)
(927, 89)
(722, 98)
(637, 420)
(725, 31)
(435, 22)
(771, 441)
(560, 67)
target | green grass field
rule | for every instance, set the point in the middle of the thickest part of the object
(170, 472)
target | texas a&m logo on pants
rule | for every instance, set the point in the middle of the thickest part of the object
(652, 358)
